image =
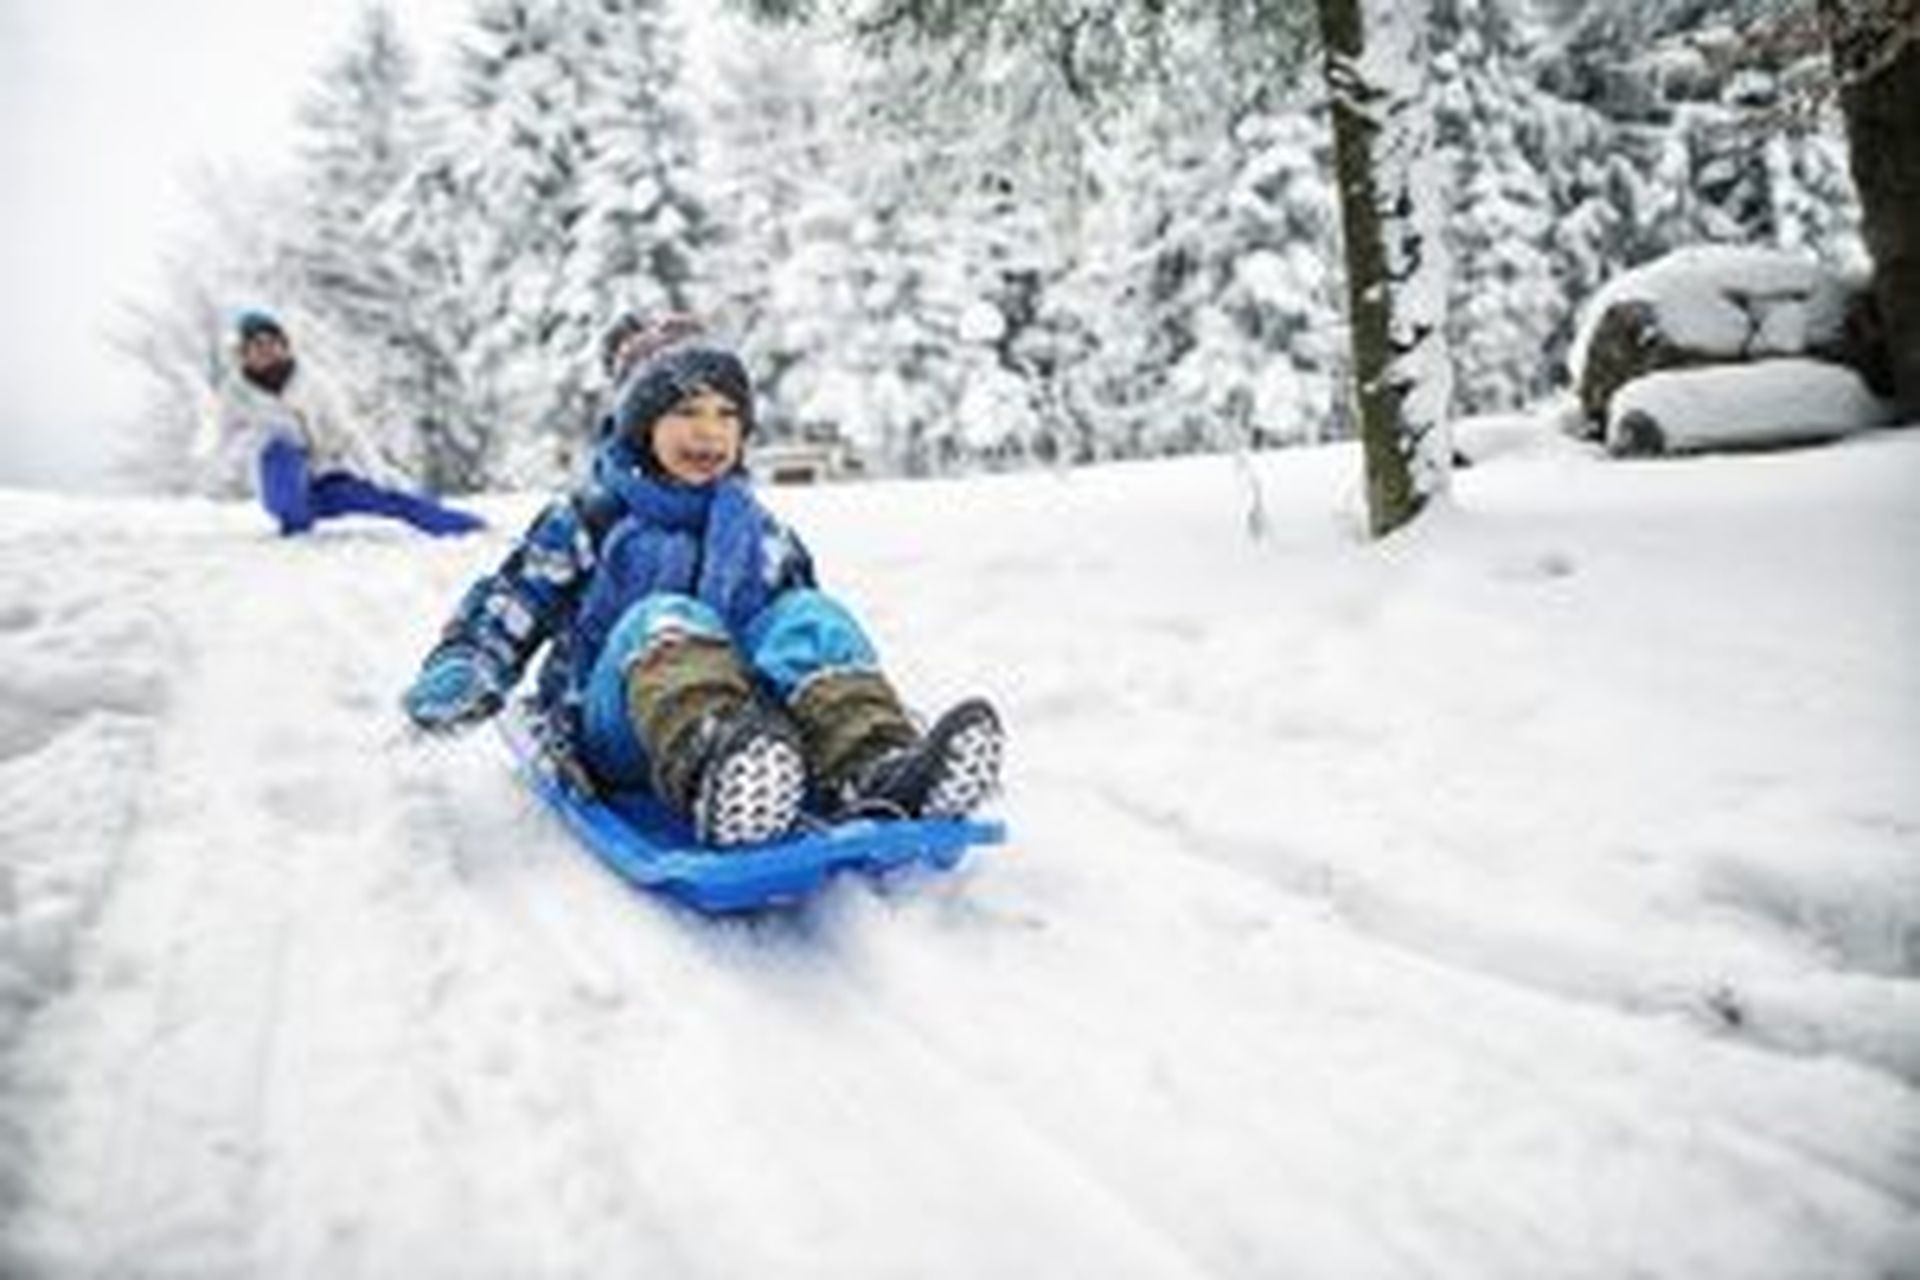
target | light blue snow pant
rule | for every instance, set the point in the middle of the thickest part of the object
(800, 635)
(297, 498)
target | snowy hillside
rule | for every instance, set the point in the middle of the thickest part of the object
(1535, 895)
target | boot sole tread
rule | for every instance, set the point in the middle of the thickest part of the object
(753, 794)
(968, 773)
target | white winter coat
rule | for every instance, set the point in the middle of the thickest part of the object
(244, 418)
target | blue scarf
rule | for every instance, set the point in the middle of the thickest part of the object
(706, 541)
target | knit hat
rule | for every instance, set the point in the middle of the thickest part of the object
(682, 362)
(252, 324)
(631, 338)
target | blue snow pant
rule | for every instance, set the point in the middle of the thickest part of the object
(800, 635)
(297, 498)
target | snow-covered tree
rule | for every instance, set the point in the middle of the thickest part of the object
(1606, 137)
(1375, 56)
(459, 428)
(363, 128)
(567, 172)
(1255, 240)
(1508, 312)
(1376, 66)
(644, 222)
(781, 274)
(515, 167)
(967, 300)
(301, 244)
(179, 342)
(1709, 121)
(883, 267)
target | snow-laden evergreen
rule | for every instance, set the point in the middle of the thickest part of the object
(1507, 301)
(1207, 293)
(519, 165)
(566, 174)
(644, 224)
(362, 130)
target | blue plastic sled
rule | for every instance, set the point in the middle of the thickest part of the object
(648, 846)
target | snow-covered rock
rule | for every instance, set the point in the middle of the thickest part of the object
(1716, 304)
(1772, 402)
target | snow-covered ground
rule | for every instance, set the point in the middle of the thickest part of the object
(1537, 894)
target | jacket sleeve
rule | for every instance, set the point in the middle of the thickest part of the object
(505, 617)
(789, 565)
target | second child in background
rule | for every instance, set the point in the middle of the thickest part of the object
(278, 432)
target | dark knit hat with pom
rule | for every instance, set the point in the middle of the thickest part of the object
(675, 359)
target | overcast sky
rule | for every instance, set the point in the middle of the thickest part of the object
(106, 108)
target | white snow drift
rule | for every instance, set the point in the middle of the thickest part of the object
(1534, 894)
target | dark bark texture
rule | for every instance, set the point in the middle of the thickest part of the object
(1876, 58)
(1392, 497)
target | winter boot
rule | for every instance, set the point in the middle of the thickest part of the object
(869, 760)
(721, 759)
(946, 773)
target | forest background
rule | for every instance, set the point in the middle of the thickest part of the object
(951, 258)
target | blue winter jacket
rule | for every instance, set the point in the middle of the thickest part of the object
(591, 555)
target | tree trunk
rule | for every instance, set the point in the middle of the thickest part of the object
(1876, 58)
(1375, 66)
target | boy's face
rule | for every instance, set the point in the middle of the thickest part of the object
(698, 440)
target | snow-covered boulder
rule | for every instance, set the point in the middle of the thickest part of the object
(1717, 304)
(1770, 402)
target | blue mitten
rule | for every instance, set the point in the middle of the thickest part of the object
(455, 689)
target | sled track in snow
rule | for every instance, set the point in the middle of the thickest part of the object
(352, 1004)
